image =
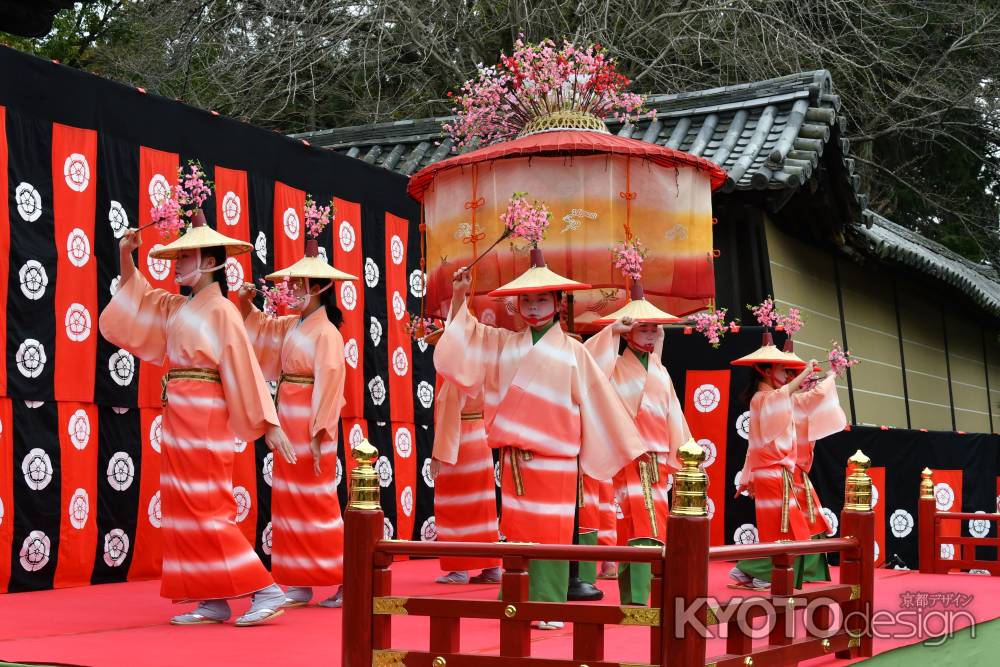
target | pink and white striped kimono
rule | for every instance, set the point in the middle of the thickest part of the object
(817, 414)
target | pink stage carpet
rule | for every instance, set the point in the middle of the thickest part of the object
(125, 625)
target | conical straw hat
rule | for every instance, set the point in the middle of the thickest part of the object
(200, 235)
(311, 266)
(538, 279)
(768, 353)
(639, 310)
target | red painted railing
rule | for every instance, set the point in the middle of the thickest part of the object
(932, 537)
(680, 617)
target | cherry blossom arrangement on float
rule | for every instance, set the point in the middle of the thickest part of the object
(174, 214)
(537, 81)
(523, 219)
(711, 324)
(628, 258)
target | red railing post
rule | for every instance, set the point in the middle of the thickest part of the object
(685, 580)
(926, 537)
(857, 566)
(363, 528)
(515, 633)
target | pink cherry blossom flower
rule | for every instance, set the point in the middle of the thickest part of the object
(766, 313)
(317, 218)
(712, 324)
(527, 220)
(276, 297)
(628, 257)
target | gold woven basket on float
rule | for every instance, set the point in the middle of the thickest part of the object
(564, 120)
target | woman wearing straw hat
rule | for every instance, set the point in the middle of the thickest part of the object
(304, 352)
(771, 472)
(213, 393)
(645, 387)
(548, 408)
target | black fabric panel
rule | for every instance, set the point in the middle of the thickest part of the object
(423, 357)
(424, 508)
(263, 500)
(343, 451)
(40, 88)
(260, 190)
(119, 453)
(32, 282)
(37, 496)
(117, 210)
(376, 318)
(380, 436)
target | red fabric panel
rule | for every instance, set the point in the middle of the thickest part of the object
(74, 198)
(878, 483)
(231, 203)
(289, 231)
(347, 256)
(706, 407)
(4, 268)
(157, 175)
(245, 475)
(405, 471)
(355, 430)
(78, 424)
(400, 357)
(948, 494)
(6, 478)
(148, 553)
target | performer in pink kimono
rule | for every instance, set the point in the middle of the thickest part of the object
(644, 386)
(770, 470)
(304, 353)
(548, 408)
(213, 394)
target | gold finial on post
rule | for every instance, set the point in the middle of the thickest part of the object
(690, 482)
(364, 479)
(858, 489)
(926, 484)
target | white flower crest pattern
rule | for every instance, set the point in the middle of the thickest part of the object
(260, 247)
(77, 322)
(33, 279)
(875, 496)
(339, 476)
(265, 539)
(944, 496)
(348, 296)
(947, 552)
(153, 511)
(158, 268)
(396, 249)
(736, 482)
(418, 281)
(115, 547)
(79, 429)
(746, 534)
(76, 170)
(113, 285)
(267, 468)
(79, 509)
(387, 529)
(291, 223)
(35, 551)
(383, 468)
(404, 442)
(346, 236)
(36, 466)
(398, 305)
(901, 523)
(78, 247)
(357, 436)
(422, 345)
(706, 398)
(231, 208)
(29, 202)
(376, 387)
(425, 472)
(743, 425)
(428, 531)
(400, 363)
(375, 331)
(118, 219)
(159, 189)
(242, 498)
(979, 527)
(406, 501)
(833, 523)
(425, 394)
(351, 353)
(234, 274)
(710, 507)
(239, 446)
(371, 272)
(121, 366)
(121, 471)
(711, 451)
(31, 360)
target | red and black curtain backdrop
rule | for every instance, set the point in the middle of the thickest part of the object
(82, 160)
(966, 466)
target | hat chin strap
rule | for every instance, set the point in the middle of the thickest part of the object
(180, 278)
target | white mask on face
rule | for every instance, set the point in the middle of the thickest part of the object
(190, 278)
(303, 299)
